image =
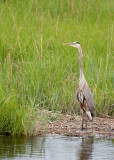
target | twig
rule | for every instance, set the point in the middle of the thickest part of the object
(1, 11)
(41, 47)
(57, 24)
(36, 49)
(61, 5)
(68, 7)
(8, 69)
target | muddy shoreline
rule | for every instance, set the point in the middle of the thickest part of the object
(71, 126)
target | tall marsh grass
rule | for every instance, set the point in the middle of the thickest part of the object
(38, 72)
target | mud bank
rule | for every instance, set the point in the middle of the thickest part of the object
(71, 126)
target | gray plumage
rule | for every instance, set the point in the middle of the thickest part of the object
(89, 100)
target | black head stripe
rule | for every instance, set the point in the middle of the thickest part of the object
(77, 42)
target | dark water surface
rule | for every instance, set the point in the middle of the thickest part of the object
(55, 147)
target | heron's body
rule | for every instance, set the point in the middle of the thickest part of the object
(84, 96)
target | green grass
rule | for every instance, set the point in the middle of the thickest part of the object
(38, 72)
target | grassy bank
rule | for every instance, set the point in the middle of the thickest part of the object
(38, 73)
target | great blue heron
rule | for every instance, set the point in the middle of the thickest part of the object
(84, 95)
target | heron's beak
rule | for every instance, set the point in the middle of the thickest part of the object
(68, 44)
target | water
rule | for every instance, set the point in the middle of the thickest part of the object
(55, 147)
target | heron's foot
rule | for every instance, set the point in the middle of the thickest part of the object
(84, 128)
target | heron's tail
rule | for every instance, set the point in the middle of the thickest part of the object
(89, 115)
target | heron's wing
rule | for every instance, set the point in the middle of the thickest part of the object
(81, 97)
(89, 99)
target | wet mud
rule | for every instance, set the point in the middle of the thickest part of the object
(71, 126)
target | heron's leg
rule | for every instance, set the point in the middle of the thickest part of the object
(82, 119)
(86, 122)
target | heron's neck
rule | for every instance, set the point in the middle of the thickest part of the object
(80, 62)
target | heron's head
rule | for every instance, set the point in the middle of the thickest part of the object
(74, 44)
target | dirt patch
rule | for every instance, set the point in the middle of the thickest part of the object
(71, 126)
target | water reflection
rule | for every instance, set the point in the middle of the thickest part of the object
(19, 146)
(55, 148)
(9, 146)
(86, 148)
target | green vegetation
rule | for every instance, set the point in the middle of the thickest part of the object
(38, 73)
